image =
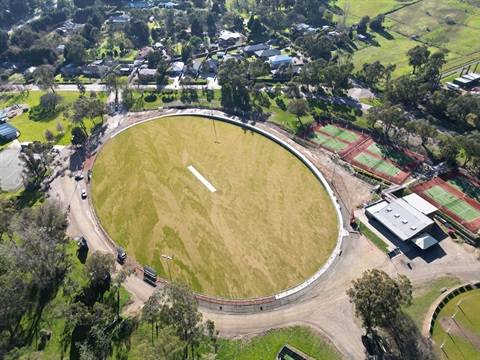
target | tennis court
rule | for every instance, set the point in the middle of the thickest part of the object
(343, 134)
(452, 203)
(372, 162)
(386, 151)
(327, 141)
(466, 186)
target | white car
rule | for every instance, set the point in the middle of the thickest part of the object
(78, 177)
(84, 194)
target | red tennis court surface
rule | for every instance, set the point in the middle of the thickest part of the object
(349, 147)
(442, 181)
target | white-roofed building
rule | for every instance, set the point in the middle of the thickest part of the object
(401, 218)
(421, 205)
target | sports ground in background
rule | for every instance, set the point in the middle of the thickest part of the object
(461, 318)
(269, 225)
(456, 195)
(385, 161)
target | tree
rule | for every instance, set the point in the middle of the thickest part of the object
(78, 135)
(417, 56)
(425, 131)
(44, 77)
(49, 135)
(49, 101)
(388, 115)
(112, 84)
(3, 41)
(449, 150)
(196, 28)
(75, 49)
(257, 28)
(99, 268)
(430, 72)
(362, 24)
(378, 298)
(461, 107)
(35, 160)
(7, 213)
(151, 310)
(299, 108)
(153, 58)
(138, 32)
(180, 311)
(376, 24)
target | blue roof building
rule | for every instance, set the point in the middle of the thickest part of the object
(8, 132)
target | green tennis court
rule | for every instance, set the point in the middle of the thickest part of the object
(391, 153)
(453, 203)
(340, 133)
(466, 186)
(372, 162)
(327, 141)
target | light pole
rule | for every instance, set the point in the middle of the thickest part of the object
(168, 258)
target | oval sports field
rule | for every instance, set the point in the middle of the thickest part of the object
(240, 215)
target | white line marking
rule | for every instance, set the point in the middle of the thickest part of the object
(201, 178)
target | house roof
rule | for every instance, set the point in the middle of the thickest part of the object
(7, 131)
(279, 58)
(424, 241)
(256, 47)
(226, 35)
(267, 53)
(147, 72)
(420, 204)
(177, 66)
(400, 218)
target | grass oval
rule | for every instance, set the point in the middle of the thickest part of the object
(269, 225)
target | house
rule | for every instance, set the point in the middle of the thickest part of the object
(143, 53)
(176, 68)
(208, 66)
(276, 61)
(70, 70)
(333, 34)
(303, 28)
(60, 48)
(265, 54)
(467, 80)
(124, 70)
(140, 4)
(119, 19)
(404, 220)
(228, 38)
(236, 57)
(29, 72)
(168, 5)
(8, 132)
(95, 69)
(146, 74)
(251, 49)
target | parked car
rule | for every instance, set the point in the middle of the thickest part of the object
(84, 194)
(82, 243)
(121, 254)
(78, 177)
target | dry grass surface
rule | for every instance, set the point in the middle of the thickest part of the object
(269, 225)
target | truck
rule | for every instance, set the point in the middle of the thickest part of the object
(452, 86)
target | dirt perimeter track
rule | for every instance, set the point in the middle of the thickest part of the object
(325, 307)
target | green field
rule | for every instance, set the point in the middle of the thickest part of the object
(372, 162)
(267, 346)
(327, 141)
(465, 186)
(269, 225)
(393, 154)
(31, 130)
(463, 339)
(343, 134)
(452, 203)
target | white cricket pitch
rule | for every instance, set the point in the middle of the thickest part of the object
(201, 178)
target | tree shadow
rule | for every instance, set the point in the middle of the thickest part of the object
(39, 114)
(385, 34)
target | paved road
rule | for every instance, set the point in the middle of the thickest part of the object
(325, 308)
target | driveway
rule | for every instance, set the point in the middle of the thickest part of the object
(11, 167)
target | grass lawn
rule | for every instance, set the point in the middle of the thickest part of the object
(327, 141)
(393, 154)
(452, 203)
(267, 346)
(360, 8)
(343, 134)
(269, 225)
(35, 130)
(465, 186)
(375, 163)
(463, 339)
(425, 295)
(365, 230)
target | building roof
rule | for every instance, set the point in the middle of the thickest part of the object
(424, 241)
(226, 35)
(7, 131)
(256, 47)
(420, 204)
(279, 58)
(463, 80)
(147, 72)
(267, 53)
(400, 218)
(177, 66)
